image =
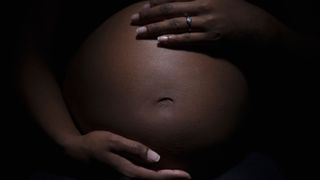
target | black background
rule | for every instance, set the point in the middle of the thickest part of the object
(283, 124)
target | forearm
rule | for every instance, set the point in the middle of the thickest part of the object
(42, 96)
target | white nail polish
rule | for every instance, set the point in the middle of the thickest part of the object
(179, 172)
(153, 156)
(163, 38)
(135, 17)
(141, 30)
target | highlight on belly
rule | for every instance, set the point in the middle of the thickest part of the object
(176, 102)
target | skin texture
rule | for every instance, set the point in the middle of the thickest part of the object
(175, 102)
(222, 22)
(37, 84)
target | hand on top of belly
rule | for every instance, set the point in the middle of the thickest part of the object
(106, 147)
(196, 21)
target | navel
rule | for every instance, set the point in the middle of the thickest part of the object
(165, 101)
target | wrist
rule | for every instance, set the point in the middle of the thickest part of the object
(74, 147)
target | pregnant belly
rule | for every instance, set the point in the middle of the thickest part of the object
(176, 102)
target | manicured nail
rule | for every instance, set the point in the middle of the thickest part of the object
(187, 176)
(153, 156)
(163, 38)
(141, 30)
(135, 17)
(179, 172)
(146, 6)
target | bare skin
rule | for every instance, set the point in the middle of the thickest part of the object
(37, 85)
(175, 102)
(213, 21)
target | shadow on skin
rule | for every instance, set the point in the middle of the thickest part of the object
(183, 104)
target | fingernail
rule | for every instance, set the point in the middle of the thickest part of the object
(135, 17)
(163, 38)
(146, 6)
(141, 30)
(187, 175)
(153, 156)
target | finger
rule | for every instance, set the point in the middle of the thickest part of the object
(188, 38)
(153, 3)
(131, 170)
(119, 143)
(179, 173)
(163, 11)
(171, 26)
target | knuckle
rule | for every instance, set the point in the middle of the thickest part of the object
(215, 36)
(204, 6)
(186, 37)
(166, 9)
(153, 28)
(154, 2)
(143, 14)
(140, 149)
(107, 133)
(128, 172)
(113, 139)
(174, 24)
(209, 18)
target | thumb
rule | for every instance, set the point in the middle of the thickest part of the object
(136, 148)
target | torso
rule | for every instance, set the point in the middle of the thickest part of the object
(175, 102)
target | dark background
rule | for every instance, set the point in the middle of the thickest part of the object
(283, 122)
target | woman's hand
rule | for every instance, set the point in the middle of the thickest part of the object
(103, 146)
(212, 20)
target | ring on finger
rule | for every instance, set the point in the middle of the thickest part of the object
(189, 22)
